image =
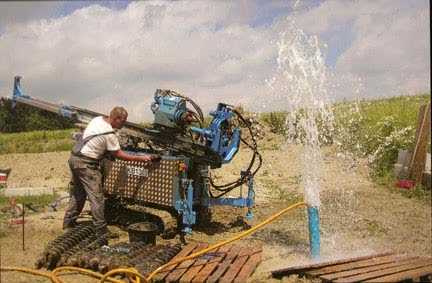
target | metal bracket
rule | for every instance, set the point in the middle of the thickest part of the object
(185, 207)
(248, 202)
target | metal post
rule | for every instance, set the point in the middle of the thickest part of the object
(314, 231)
(23, 213)
(250, 197)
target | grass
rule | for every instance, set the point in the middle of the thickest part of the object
(379, 128)
(36, 141)
(403, 108)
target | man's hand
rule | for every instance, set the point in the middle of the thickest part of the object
(156, 158)
(143, 158)
(148, 158)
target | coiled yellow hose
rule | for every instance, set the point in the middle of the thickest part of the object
(132, 273)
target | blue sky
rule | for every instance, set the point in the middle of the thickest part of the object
(100, 53)
(67, 7)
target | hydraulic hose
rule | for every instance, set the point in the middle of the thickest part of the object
(48, 275)
(223, 243)
(56, 272)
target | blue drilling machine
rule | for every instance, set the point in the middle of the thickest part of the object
(179, 190)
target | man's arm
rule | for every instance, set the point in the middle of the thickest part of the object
(120, 154)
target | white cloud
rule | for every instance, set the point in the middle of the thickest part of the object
(98, 57)
(390, 52)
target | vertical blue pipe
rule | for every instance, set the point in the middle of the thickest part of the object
(314, 231)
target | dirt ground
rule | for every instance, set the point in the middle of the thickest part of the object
(357, 216)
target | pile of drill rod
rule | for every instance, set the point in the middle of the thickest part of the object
(81, 247)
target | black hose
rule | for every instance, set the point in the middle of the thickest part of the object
(225, 188)
(195, 106)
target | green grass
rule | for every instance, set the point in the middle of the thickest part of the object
(403, 108)
(377, 129)
(36, 141)
(380, 128)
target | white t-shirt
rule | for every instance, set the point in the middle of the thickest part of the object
(97, 146)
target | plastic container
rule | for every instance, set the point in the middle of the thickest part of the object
(143, 232)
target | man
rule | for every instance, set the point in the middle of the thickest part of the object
(98, 139)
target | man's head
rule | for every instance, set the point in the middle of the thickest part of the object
(118, 117)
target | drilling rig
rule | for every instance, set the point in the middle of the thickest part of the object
(180, 185)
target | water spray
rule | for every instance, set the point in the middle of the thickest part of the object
(300, 83)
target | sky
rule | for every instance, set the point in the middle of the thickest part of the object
(98, 54)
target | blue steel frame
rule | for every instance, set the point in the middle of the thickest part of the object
(184, 206)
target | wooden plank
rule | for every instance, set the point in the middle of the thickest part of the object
(353, 265)
(211, 265)
(385, 272)
(249, 267)
(418, 159)
(420, 116)
(405, 275)
(238, 263)
(184, 252)
(194, 269)
(352, 272)
(224, 265)
(175, 275)
(299, 269)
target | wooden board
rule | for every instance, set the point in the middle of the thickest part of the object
(418, 159)
(401, 276)
(227, 264)
(354, 265)
(211, 265)
(184, 252)
(382, 268)
(300, 269)
(381, 273)
(342, 274)
(177, 273)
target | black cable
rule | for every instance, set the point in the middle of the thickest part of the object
(224, 189)
(195, 106)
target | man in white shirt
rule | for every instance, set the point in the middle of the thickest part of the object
(98, 139)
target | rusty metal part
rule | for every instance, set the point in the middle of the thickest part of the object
(63, 243)
(82, 247)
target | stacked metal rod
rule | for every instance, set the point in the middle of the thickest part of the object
(139, 255)
(63, 243)
(82, 248)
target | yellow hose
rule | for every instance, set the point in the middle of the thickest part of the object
(127, 271)
(55, 273)
(133, 272)
(48, 275)
(223, 243)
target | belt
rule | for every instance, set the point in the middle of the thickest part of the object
(87, 159)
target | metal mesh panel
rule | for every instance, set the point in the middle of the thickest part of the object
(153, 184)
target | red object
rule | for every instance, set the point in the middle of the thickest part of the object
(16, 221)
(3, 178)
(405, 184)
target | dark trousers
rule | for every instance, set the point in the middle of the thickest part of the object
(87, 183)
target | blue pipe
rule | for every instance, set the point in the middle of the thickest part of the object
(314, 231)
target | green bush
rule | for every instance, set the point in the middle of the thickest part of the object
(378, 129)
(275, 121)
(279, 123)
